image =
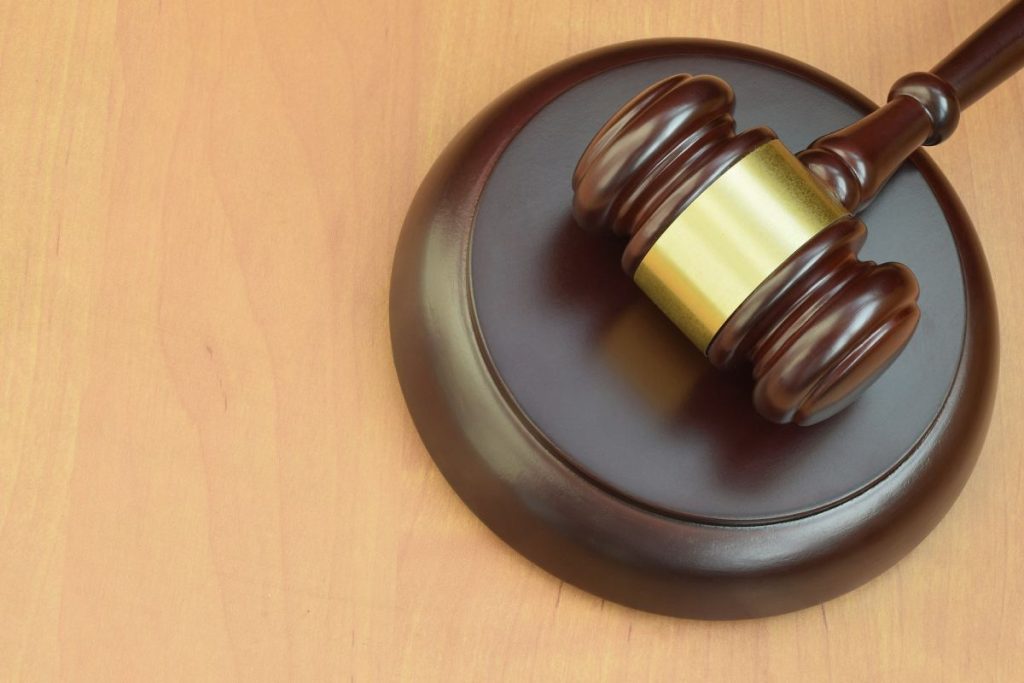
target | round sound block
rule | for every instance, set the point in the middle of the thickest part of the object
(586, 431)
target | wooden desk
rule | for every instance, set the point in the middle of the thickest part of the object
(206, 465)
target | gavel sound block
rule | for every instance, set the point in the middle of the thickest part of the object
(577, 422)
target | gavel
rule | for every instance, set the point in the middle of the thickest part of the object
(751, 250)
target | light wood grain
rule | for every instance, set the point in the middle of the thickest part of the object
(206, 467)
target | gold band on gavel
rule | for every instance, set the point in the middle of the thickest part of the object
(732, 237)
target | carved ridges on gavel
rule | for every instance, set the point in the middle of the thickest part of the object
(823, 326)
(817, 324)
(659, 151)
(854, 163)
(819, 330)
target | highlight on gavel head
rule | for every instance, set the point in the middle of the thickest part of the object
(745, 250)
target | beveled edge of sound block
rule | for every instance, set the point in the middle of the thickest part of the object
(590, 537)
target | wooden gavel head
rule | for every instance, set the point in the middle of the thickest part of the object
(750, 253)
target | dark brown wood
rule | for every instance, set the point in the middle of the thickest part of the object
(989, 56)
(825, 325)
(856, 161)
(654, 155)
(586, 432)
(822, 328)
(666, 145)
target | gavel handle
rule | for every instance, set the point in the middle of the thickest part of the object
(992, 54)
(923, 108)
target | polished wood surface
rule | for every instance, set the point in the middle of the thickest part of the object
(994, 52)
(923, 108)
(580, 426)
(206, 466)
(800, 324)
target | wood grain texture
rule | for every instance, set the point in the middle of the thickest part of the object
(206, 467)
